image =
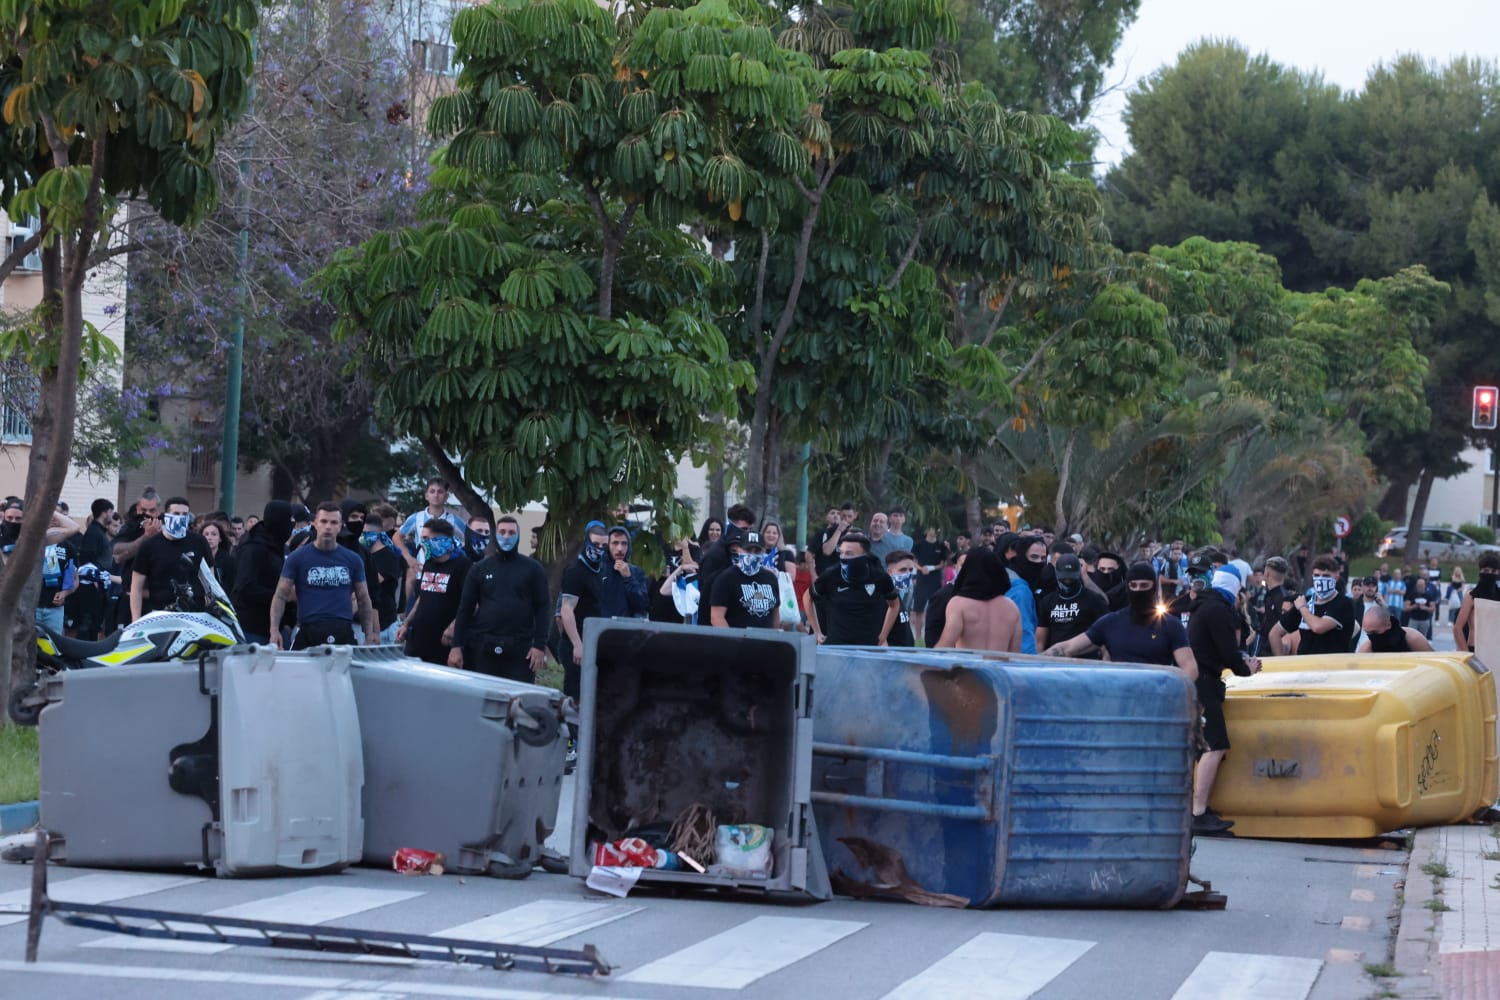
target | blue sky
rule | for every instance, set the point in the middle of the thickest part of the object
(1341, 38)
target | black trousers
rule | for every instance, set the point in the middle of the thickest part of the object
(501, 657)
(324, 632)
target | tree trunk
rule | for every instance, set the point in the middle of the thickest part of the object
(973, 514)
(1392, 505)
(771, 509)
(472, 501)
(328, 469)
(717, 491)
(1062, 522)
(1418, 515)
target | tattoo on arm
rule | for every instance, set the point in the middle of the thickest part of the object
(285, 591)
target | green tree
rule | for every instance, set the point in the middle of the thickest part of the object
(101, 101)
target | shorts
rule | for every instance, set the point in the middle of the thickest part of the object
(1211, 701)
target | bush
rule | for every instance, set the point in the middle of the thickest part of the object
(1478, 532)
(1369, 528)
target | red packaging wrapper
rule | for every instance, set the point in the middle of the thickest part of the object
(415, 861)
(631, 852)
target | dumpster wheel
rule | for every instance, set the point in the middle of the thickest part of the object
(1204, 898)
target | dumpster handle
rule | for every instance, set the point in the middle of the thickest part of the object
(976, 764)
(903, 805)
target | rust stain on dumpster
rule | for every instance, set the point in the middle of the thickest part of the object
(964, 701)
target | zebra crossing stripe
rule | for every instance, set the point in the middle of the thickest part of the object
(539, 923)
(305, 906)
(991, 966)
(106, 887)
(1226, 975)
(739, 956)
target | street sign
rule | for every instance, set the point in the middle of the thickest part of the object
(1341, 527)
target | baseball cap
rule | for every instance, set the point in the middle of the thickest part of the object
(1068, 568)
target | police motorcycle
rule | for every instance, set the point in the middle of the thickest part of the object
(173, 634)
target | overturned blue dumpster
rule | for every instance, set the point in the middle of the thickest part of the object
(986, 780)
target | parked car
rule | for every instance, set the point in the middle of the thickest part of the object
(1445, 543)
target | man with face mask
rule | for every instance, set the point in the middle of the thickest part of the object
(429, 630)
(503, 613)
(858, 597)
(1326, 625)
(1108, 575)
(1025, 577)
(746, 595)
(581, 584)
(1383, 634)
(1141, 632)
(165, 574)
(1213, 633)
(902, 567)
(258, 569)
(384, 567)
(477, 538)
(1486, 589)
(1071, 609)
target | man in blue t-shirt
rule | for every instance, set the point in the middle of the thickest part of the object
(327, 581)
(1141, 632)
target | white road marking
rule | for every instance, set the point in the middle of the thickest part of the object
(105, 887)
(305, 906)
(539, 923)
(354, 995)
(993, 966)
(1227, 975)
(341, 986)
(741, 955)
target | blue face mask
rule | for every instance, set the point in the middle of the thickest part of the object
(369, 538)
(903, 580)
(507, 543)
(750, 563)
(437, 547)
(592, 552)
(176, 525)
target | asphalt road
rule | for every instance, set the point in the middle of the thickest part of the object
(1302, 920)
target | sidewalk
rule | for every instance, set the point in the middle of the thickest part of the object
(1448, 944)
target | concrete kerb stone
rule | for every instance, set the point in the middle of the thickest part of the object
(1416, 957)
(19, 816)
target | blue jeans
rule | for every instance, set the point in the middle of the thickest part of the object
(50, 618)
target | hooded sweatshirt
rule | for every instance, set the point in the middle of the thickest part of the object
(505, 600)
(259, 558)
(622, 597)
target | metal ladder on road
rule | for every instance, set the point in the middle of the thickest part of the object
(137, 922)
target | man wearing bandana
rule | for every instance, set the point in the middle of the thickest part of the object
(1141, 632)
(902, 566)
(581, 584)
(165, 574)
(746, 596)
(857, 597)
(1326, 624)
(1213, 632)
(428, 630)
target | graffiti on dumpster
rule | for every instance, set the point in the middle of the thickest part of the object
(1428, 767)
(1106, 879)
(1273, 768)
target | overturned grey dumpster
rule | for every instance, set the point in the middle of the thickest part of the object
(707, 730)
(458, 762)
(247, 762)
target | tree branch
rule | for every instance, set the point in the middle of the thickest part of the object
(22, 250)
(111, 252)
(757, 311)
(911, 251)
(1036, 355)
(446, 467)
(994, 326)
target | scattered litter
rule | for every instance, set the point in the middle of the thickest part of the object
(613, 881)
(743, 851)
(415, 861)
(891, 880)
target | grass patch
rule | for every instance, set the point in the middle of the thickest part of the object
(1381, 970)
(18, 764)
(1437, 906)
(551, 674)
(1437, 869)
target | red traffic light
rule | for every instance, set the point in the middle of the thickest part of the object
(1485, 397)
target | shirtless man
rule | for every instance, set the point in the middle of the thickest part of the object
(1383, 634)
(980, 616)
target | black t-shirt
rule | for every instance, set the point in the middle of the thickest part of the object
(823, 563)
(937, 616)
(390, 570)
(1335, 641)
(439, 586)
(1127, 642)
(1066, 617)
(1212, 634)
(1419, 603)
(581, 581)
(748, 602)
(856, 610)
(168, 563)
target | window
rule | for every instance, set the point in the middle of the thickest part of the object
(18, 401)
(204, 456)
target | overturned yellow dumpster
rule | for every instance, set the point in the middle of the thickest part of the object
(1345, 746)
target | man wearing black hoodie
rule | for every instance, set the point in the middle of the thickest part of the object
(717, 557)
(1213, 633)
(260, 557)
(504, 612)
(980, 615)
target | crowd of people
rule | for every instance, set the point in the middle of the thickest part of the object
(458, 590)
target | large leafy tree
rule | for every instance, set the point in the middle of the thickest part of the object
(102, 101)
(549, 332)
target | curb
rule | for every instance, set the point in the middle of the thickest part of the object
(1416, 957)
(19, 816)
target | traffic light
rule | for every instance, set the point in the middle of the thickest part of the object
(1485, 397)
